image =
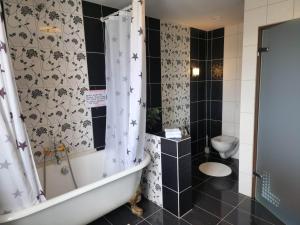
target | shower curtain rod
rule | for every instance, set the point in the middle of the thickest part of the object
(128, 8)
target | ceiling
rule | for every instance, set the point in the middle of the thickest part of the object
(202, 14)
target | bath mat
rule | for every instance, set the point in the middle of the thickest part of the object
(215, 169)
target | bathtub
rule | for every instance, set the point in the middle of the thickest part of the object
(94, 198)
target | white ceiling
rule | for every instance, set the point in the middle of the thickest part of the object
(202, 14)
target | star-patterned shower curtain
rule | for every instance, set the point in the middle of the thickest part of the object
(19, 183)
(125, 64)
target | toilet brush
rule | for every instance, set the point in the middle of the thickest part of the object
(206, 149)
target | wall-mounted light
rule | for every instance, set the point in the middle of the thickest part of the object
(196, 71)
(50, 29)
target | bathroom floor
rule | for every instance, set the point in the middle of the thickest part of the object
(216, 201)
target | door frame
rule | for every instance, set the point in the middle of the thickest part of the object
(256, 105)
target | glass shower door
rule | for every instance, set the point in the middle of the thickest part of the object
(278, 137)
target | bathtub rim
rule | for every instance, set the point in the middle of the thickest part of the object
(71, 194)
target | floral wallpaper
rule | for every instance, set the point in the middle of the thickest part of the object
(151, 178)
(47, 45)
(175, 72)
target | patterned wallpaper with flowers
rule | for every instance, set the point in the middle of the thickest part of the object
(51, 71)
(175, 72)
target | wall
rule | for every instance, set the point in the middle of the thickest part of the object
(233, 44)
(152, 174)
(51, 72)
(206, 89)
(175, 72)
(95, 42)
(256, 14)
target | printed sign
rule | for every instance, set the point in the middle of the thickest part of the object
(95, 98)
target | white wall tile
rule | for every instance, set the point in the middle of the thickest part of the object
(230, 68)
(275, 1)
(296, 8)
(280, 11)
(231, 46)
(238, 91)
(229, 90)
(252, 20)
(228, 128)
(246, 156)
(228, 112)
(249, 62)
(248, 96)
(231, 29)
(251, 4)
(246, 128)
(245, 183)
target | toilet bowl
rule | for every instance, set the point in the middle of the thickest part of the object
(226, 145)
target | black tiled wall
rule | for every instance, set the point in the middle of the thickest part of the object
(95, 42)
(206, 90)
(176, 175)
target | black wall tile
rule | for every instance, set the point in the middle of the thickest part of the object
(218, 33)
(201, 129)
(194, 112)
(96, 68)
(169, 147)
(153, 23)
(201, 110)
(107, 10)
(195, 33)
(202, 49)
(155, 70)
(194, 48)
(154, 43)
(99, 126)
(193, 91)
(99, 111)
(170, 200)
(217, 90)
(184, 147)
(194, 131)
(217, 48)
(95, 42)
(201, 91)
(216, 110)
(185, 172)
(91, 9)
(169, 171)
(185, 201)
(155, 95)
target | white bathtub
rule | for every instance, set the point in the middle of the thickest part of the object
(94, 198)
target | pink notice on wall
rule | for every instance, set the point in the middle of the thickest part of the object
(95, 98)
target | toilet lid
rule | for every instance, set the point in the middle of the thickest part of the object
(215, 169)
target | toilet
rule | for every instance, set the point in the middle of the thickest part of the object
(226, 145)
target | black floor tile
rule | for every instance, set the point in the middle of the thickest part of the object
(148, 207)
(100, 221)
(229, 197)
(224, 184)
(199, 217)
(122, 216)
(238, 217)
(255, 208)
(162, 217)
(144, 222)
(211, 205)
(198, 180)
(224, 223)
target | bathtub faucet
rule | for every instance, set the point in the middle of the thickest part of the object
(60, 148)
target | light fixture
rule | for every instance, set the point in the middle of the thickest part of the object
(50, 29)
(196, 71)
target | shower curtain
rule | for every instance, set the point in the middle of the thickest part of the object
(125, 64)
(19, 182)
